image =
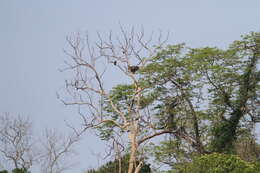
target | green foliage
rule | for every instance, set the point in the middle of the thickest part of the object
(20, 170)
(16, 170)
(223, 87)
(217, 163)
(4, 171)
(122, 96)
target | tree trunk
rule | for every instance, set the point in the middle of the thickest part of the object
(134, 145)
(225, 133)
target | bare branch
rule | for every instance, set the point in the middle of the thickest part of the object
(55, 148)
(16, 142)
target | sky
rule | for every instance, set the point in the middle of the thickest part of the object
(33, 35)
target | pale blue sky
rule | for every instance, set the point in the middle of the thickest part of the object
(32, 36)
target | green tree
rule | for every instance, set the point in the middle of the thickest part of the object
(217, 90)
(209, 96)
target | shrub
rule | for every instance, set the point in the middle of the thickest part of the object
(218, 163)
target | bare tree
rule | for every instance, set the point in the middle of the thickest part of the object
(128, 54)
(56, 149)
(18, 146)
(16, 142)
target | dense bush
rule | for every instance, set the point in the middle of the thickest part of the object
(4, 171)
(218, 163)
(16, 170)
